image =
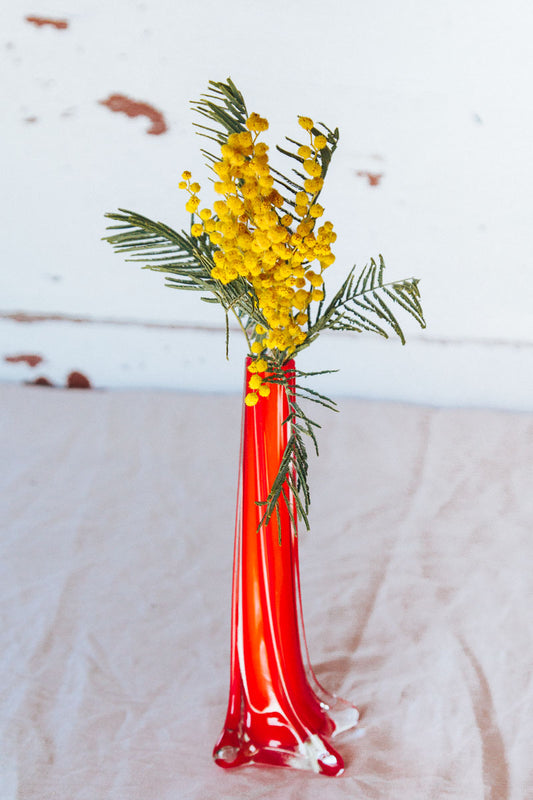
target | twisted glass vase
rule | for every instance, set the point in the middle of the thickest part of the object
(278, 713)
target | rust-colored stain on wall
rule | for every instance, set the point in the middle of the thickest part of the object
(60, 24)
(77, 380)
(30, 360)
(41, 381)
(134, 108)
(372, 177)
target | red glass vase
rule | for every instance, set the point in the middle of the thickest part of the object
(278, 713)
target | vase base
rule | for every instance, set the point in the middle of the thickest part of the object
(315, 755)
(343, 714)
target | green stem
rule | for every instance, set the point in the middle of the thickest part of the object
(242, 328)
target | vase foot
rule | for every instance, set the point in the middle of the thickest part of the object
(315, 754)
(343, 714)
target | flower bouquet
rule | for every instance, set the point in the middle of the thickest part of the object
(260, 253)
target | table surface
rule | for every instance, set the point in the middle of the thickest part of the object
(117, 514)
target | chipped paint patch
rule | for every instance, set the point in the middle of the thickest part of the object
(59, 24)
(40, 381)
(30, 360)
(372, 177)
(77, 380)
(133, 108)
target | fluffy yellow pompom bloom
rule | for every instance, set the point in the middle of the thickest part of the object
(320, 142)
(229, 229)
(244, 140)
(316, 210)
(237, 159)
(222, 168)
(197, 230)
(235, 205)
(306, 123)
(301, 299)
(195, 187)
(312, 168)
(313, 185)
(256, 348)
(317, 294)
(256, 123)
(186, 175)
(276, 199)
(250, 262)
(286, 220)
(192, 204)
(304, 228)
(205, 214)
(301, 199)
(304, 151)
(182, 185)
(244, 240)
(301, 211)
(266, 182)
(260, 330)
(220, 207)
(316, 280)
(277, 234)
(264, 390)
(255, 381)
(251, 399)
(261, 242)
(280, 250)
(261, 365)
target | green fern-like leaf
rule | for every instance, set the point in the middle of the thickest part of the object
(160, 248)
(364, 304)
(186, 260)
(224, 107)
(291, 483)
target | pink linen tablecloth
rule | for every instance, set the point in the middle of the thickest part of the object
(117, 511)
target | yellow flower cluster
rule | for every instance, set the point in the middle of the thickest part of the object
(257, 241)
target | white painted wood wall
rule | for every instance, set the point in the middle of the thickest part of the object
(434, 98)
